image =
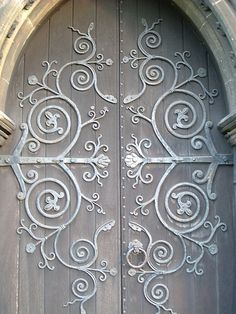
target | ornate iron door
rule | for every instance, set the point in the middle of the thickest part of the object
(124, 181)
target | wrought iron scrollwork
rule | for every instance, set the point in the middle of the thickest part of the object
(48, 199)
(184, 208)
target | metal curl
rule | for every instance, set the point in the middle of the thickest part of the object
(33, 145)
(83, 252)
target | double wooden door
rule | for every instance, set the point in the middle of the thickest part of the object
(123, 181)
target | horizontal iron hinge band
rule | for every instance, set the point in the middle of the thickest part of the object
(224, 159)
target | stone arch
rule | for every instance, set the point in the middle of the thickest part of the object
(215, 20)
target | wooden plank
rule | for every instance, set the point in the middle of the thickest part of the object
(9, 208)
(83, 226)
(60, 49)
(224, 206)
(31, 288)
(129, 84)
(108, 299)
(151, 222)
(197, 60)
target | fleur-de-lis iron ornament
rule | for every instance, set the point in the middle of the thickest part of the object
(47, 201)
(185, 207)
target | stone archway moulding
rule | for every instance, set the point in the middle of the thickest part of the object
(215, 20)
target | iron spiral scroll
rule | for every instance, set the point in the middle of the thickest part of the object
(49, 206)
(184, 209)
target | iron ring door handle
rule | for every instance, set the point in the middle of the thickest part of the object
(136, 247)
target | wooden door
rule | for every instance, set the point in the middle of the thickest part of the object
(123, 182)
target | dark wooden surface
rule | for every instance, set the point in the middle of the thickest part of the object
(26, 289)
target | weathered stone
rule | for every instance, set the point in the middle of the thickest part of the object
(7, 126)
(228, 127)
